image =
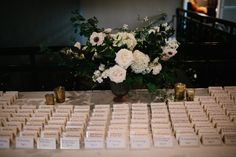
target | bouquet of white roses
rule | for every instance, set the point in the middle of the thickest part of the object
(123, 55)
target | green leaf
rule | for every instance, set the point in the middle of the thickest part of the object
(151, 87)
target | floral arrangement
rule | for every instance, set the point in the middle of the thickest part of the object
(123, 55)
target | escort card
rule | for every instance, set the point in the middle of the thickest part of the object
(25, 142)
(163, 140)
(94, 143)
(140, 142)
(70, 143)
(230, 139)
(46, 143)
(188, 140)
(4, 142)
(116, 143)
(211, 139)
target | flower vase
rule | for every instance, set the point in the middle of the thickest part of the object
(120, 90)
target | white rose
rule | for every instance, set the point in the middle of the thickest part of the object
(117, 74)
(97, 38)
(124, 58)
(141, 62)
(78, 45)
(156, 69)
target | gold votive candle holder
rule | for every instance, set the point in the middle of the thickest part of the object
(49, 99)
(60, 94)
(180, 91)
(190, 94)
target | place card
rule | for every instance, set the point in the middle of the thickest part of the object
(160, 125)
(74, 128)
(25, 142)
(51, 134)
(4, 142)
(163, 140)
(33, 107)
(140, 142)
(70, 143)
(57, 122)
(16, 107)
(30, 133)
(161, 131)
(116, 140)
(211, 139)
(11, 129)
(46, 143)
(94, 143)
(188, 140)
(228, 130)
(229, 139)
(180, 132)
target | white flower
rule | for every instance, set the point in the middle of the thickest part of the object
(99, 80)
(165, 24)
(105, 73)
(151, 31)
(141, 62)
(97, 38)
(78, 45)
(156, 28)
(156, 69)
(155, 61)
(125, 26)
(101, 67)
(168, 53)
(145, 19)
(97, 73)
(117, 74)
(124, 58)
(108, 30)
(172, 43)
(124, 38)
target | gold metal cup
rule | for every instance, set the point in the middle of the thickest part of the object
(180, 91)
(49, 99)
(190, 94)
(60, 94)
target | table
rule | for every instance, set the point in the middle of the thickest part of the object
(106, 97)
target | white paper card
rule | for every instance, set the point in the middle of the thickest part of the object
(94, 143)
(211, 139)
(188, 141)
(46, 143)
(230, 139)
(24, 142)
(163, 141)
(116, 143)
(140, 143)
(4, 142)
(70, 143)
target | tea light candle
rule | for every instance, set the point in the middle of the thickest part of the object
(190, 95)
(180, 91)
(60, 94)
(49, 99)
